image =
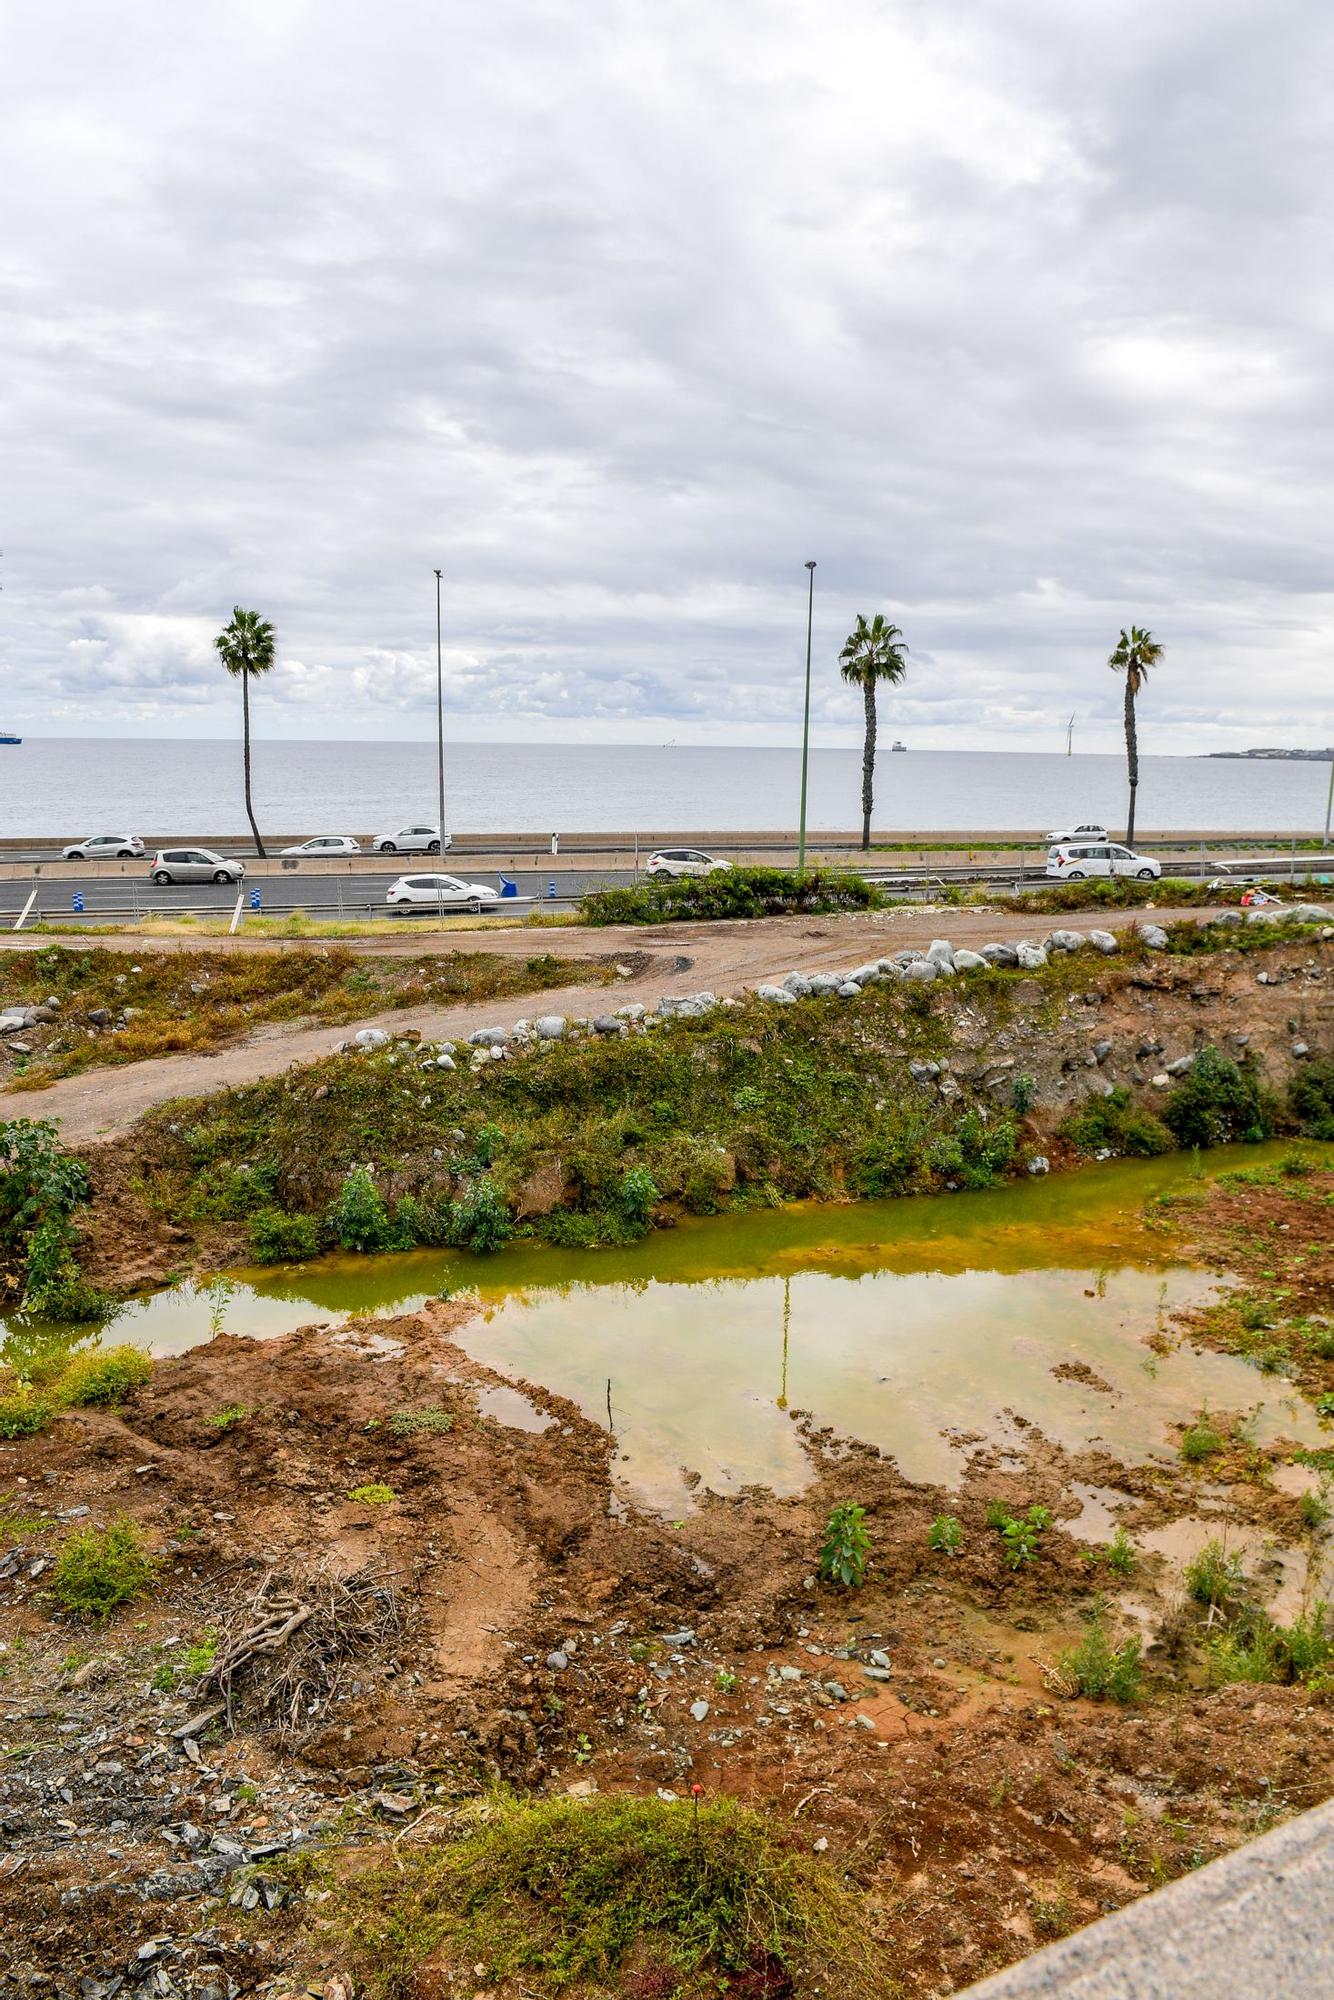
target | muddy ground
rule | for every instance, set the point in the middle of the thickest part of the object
(534, 1627)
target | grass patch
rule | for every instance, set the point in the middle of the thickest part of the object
(103, 1376)
(1116, 1124)
(420, 1423)
(731, 893)
(1100, 1671)
(101, 1568)
(1202, 1440)
(227, 1419)
(561, 1893)
(373, 1494)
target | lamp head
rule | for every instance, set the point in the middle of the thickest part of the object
(810, 565)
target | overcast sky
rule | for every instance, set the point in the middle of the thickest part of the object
(1014, 314)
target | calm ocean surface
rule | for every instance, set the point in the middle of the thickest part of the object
(74, 787)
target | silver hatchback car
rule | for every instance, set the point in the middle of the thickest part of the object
(194, 864)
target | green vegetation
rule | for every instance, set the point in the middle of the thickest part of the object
(100, 1568)
(374, 1494)
(873, 653)
(1101, 1671)
(945, 1535)
(1213, 1577)
(1121, 1556)
(227, 1419)
(1311, 1098)
(731, 892)
(420, 1423)
(278, 1238)
(847, 1546)
(23, 1412)
(1019, 1532)
(248, 647)
(1116, 1124)
(1135, 651)
(562, 1894)
(45, 1377)
(105, 1376)
(197, 1000)
(1202, 1440)
(1219, 1102)
(41, 1187)
(1254, 1648)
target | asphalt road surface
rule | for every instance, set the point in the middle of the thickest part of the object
(317, 893)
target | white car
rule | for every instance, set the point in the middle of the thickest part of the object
(194, 864)
(1064, 834)
(1072, 861)
(434, 892)
(412, 840)
(683, 861)
(105, 847)
(325, 845)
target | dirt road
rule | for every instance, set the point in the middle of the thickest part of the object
(685, 958)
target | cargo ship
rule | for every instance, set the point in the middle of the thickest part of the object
(5, 738)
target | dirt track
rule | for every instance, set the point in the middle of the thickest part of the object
(723, 957)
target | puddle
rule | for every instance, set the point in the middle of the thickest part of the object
(513, 1409)
(1097, 1520)
(1285, 1580)
(918, 1326)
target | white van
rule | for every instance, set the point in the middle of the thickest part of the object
(1071, 862)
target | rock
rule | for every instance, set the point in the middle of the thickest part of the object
(877, 1673)
(849, 990)
(825, 982)
(941, 952)
(1181, 1065)
(558, 1662)
(970, 961)
(1001, 953)
(633, 1010)
(1029, 956)
(544, 1191)
(798, 985)
(1300, 1049)
(1302, 913)
(36, 1014)
(781, 994)
(551, 1027)
(1066, 941)
(99, 1016)
(789, 1673)
(486, 1038)
(924, 969)
(607, 1024)
(923, 1072)
(1101, 1051)
(676, 1640)
(1039, 1164)
(1103, 941)
(13, 1020)
(699, 1710)
(879, 1658)
(1161, 1081)
(20, 1048)
(1153, 936)
(864, 1721)
(1229, 918)
(370, 1038)
(866, 975)
(836, 1691)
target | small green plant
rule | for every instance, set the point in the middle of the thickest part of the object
(1201, 1440)
(847, 1546)
(23, 1412)
(1019, 1532)
(279, 1238)
(945, 1535)
(1256, 1649)
(583, 1749)
(1121, 1556)
(373, 1494)
(100, 1568)
(1116, 1124)
(1023, 1091)
(725, 1681)
(634, 1200)
(1101, 1671)
(358, 1216)
(228, 1418)
(1214, 1577)
(1311, 1097)
(103, 1376)
(1315, 1508)
(480, 1221)
(429, 1422)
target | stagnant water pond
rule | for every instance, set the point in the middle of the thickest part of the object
(916, 1325)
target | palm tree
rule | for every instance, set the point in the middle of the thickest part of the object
(1134, 653)
(874, 652)
(247, 647)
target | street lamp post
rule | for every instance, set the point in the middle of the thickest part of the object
(439, 743)
(1329, 802)
(806, 720)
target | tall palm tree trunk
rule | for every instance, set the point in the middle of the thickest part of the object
(868, 762)
(1132, 757)
(249, 806)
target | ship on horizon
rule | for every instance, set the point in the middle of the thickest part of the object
(5, 737)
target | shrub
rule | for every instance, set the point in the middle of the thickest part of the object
(279, 1238)
(99, 1568)
(1101, 1671)
(635, 1198)
(1218, 1102)
(1023, 1091)
(480, 1221)
(1115, 1124)
(620, 1894)
(40, 1187)
(1311, 1098)
(734, 892)
(1201, 1440)
(847, 1546)
(1214, 1577)
(945, 1535)
(103, 1376)
(1019, 1532)
(1259, 1650)
(22, 1412)
(1121, 1555)
(977, 1152)
(358, 1217)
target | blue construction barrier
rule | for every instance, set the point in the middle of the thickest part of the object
(551, 890)
(77, 901)
(254, 899)
(508, 887)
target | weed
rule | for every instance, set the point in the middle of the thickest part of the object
(725, 1681)
(567, 1893)
(1115, 1124)
(374, 1494)
(228, 1418)
(100, 1568)
(1018, 1532)
(1023, 1091)
(23, 1412)
(1311, 1097)
(429, 1422)
(279, 1238)
(1121, 1556)
(583, 1748)
(847, 1546)
(1213, 1577)
(103, 1376)
(945, 1535)
(358, 1217)
(1217, 1102)
(1315, 1508)
(480, 1222)
(1101, 1671)
(1201, 1440)
(1257, 1649)
(735, 892)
